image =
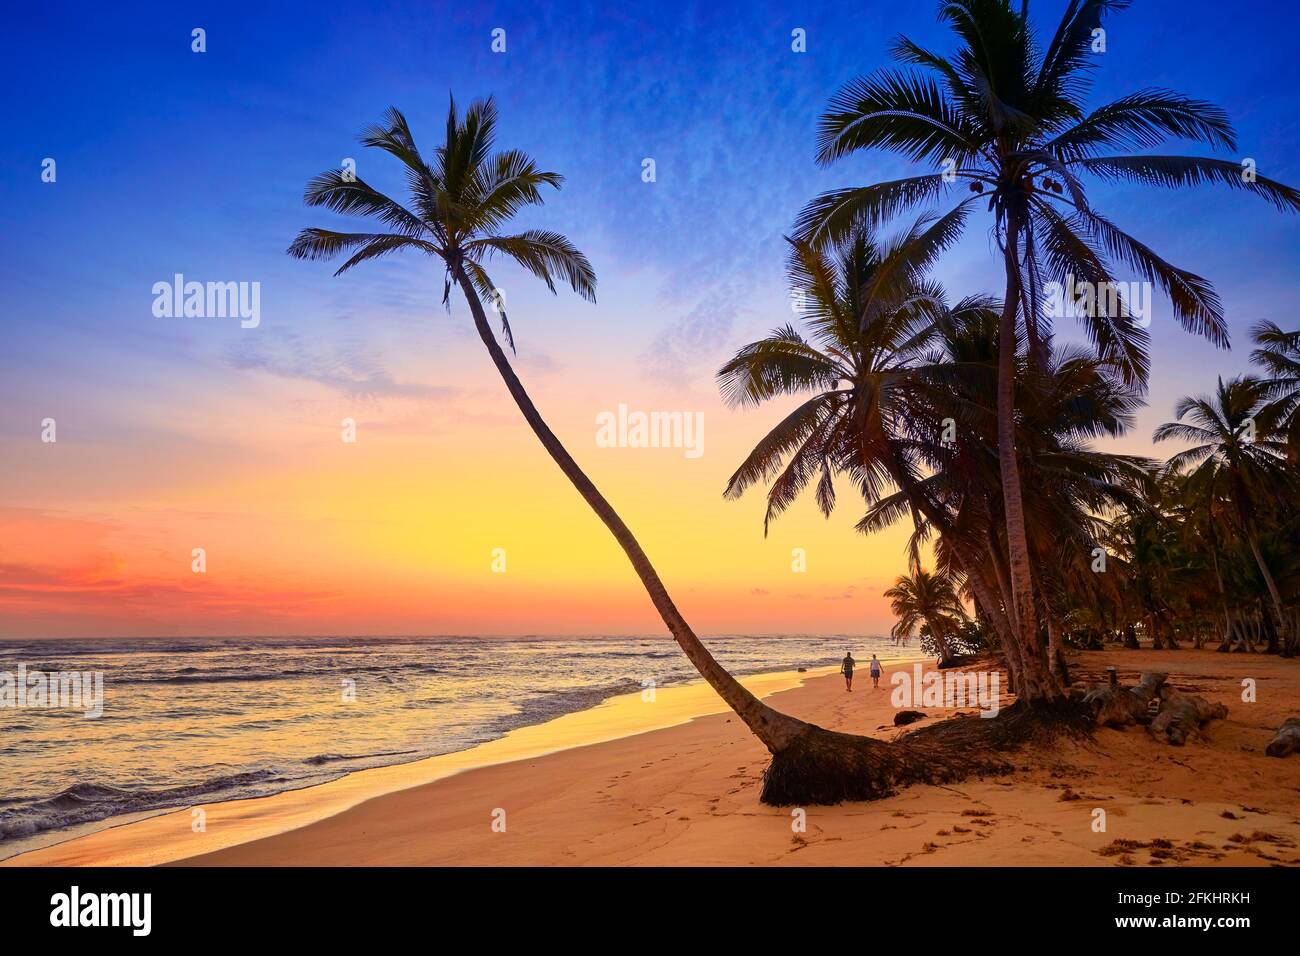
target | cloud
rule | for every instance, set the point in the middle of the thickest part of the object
(86, 597)
(687, 349)
(351, 368)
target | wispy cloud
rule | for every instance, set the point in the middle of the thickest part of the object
(349, 367)
(682, 355)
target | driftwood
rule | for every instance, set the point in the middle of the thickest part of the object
(905, 717)
(1183, 714)
(1287, 740)
(1116, 706)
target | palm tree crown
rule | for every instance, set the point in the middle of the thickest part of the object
(929, 600)
(1231, 444)
(458, 205)
(1278, 354)
(869, 314)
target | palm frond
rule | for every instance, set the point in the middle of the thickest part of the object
(546, 255)
(1180, 171)
(325, 244)
(830, 217)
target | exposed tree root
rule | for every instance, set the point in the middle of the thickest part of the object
(1287, 740)
(825, 767)
(1116, 706)
(1177, 716)
(1182, 715)
(1018, 725)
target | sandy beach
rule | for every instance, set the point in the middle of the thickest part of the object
(686, 793)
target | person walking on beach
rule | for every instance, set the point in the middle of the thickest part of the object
(875, 672)
(846, 668)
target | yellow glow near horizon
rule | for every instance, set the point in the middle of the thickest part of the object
(304, 533)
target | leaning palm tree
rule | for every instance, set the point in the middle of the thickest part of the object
(930, 600)
(461, 199)
(1278, 354)
(1234, 454)
(1004, 118)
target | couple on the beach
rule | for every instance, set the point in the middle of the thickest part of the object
(847, 665)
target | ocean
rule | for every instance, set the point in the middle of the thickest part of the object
(198, 720)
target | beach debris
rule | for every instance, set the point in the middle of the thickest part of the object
(1183, 714)
(1117, 706)
(905, 717)
(1287, 740)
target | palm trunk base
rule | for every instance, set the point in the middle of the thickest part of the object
(822, 767)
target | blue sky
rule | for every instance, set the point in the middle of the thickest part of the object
(174, 161)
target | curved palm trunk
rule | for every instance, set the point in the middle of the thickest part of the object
(775, 729)
(1223, 595)
(810, 765)
(941, 642)
(1015, 658)
(1037, 682)
(1272, 591)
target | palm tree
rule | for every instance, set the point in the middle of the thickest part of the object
(460, 201)
(1202, 514)
(1146, 541)
(1005, 118)
(1278, 354)
(1231, 453)
(864, 374)
(873, 392)
(931, 600)
(459, 204)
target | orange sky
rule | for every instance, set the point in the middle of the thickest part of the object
(394, 533)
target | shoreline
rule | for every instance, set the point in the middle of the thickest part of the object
(687, 794)
(285, 730)
(168, 835)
